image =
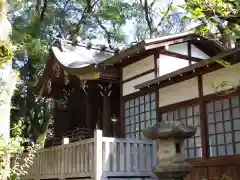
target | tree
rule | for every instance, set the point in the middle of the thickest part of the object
(38, 24)
(8, 145)
(56, 19)
(156, 20)
(218, 19)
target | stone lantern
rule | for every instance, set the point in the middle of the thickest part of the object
(170, 136)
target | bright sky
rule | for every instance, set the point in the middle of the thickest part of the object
(130, 28)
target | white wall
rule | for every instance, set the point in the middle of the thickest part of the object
(138, 67)
(128, 87)
(188, 89)
(195, 52)
(179, 92)
(210, 80)
(182, 48)
(167, 64)
(134, 69)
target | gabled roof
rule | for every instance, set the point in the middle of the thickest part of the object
(81, 59)
(77, 58)
(155, 43)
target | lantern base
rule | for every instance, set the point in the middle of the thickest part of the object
(172, 170)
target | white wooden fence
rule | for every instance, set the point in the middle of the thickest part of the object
(96, 158)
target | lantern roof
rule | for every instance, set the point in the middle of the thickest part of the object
(169, 129)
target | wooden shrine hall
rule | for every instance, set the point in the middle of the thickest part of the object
(86, 93)
(86, 82)
(169, 78)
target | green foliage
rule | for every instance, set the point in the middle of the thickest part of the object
(6, 52)
(154, 20)
(216, 17)
(11, 148)
(20, 162)
(35, 27)
(112, 11)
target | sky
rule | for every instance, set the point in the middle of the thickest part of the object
(130, 29)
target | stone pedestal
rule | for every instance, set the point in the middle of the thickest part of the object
(170, 136)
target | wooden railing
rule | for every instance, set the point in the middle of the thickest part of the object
(65, 161)
(95, 158)
(75, 135)
(125, 157)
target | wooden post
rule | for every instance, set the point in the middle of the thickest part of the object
(85, 87)
(106, 92)
(62, 162)
(88, 111)
(97, 155)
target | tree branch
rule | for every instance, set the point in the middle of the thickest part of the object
(108, 34)
(43, 10)
(38, 6)
(86, 11)
(46, 116)
(163, 18)
(147, 17)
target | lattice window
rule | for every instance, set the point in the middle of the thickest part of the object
(140, 113)
(223, 121)
(188, 116)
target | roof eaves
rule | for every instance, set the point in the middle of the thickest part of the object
(127, 53)
(175, 40)
(169, 37)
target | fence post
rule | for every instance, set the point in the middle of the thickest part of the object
(154, 153)
(62, 162)
(97, 154)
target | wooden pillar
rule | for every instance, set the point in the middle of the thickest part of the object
(87, 109)
(203, 125)
(105, 91)
(85, 89)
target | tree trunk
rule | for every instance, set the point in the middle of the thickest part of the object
(8, 82)
(226, 39)
(41, 138)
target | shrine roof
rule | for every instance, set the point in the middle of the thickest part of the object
(75, 58)
(80, 58)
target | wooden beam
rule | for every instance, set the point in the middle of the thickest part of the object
(189, 51)
(156, 56)
(181, 56)
(157, 105)
(130, 60)
(203, 119)
(106, 121)
(164, 43)
(87, 107)
(122, 121)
